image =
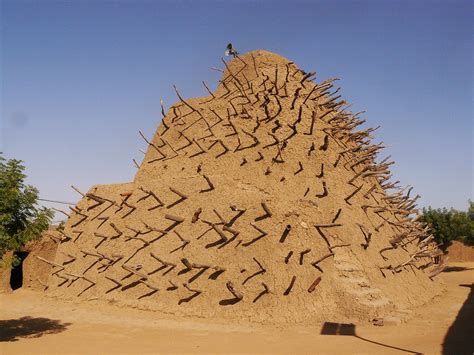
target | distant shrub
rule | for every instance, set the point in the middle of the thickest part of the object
(450, 224)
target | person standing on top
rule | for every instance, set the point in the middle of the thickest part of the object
(231, 51)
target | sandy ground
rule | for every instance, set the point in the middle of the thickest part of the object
(32, 323)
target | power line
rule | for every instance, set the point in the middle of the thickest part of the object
(62, 202)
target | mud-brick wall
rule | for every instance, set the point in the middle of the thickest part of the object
(5, 271)
(36, 272)
(459, 252)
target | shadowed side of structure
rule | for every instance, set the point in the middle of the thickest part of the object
(459, 339)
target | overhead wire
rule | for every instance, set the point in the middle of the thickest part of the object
(55, 201)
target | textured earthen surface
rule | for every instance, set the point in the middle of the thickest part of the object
(458, 251)
(5, 272)
(36, 272)
(263, 202)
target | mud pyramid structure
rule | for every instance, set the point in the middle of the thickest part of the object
(263, 201)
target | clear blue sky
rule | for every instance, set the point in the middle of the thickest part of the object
(80, 78)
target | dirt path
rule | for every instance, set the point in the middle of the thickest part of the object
(32, 323)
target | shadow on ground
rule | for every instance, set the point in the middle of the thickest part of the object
(456, 268)
(350, 330)
(28, 327)
(459, 340)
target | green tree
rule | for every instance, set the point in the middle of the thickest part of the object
(21, 220)
(470, 211)
(448, 225)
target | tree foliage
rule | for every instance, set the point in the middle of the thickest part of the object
(450, 224)
(21, 220)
